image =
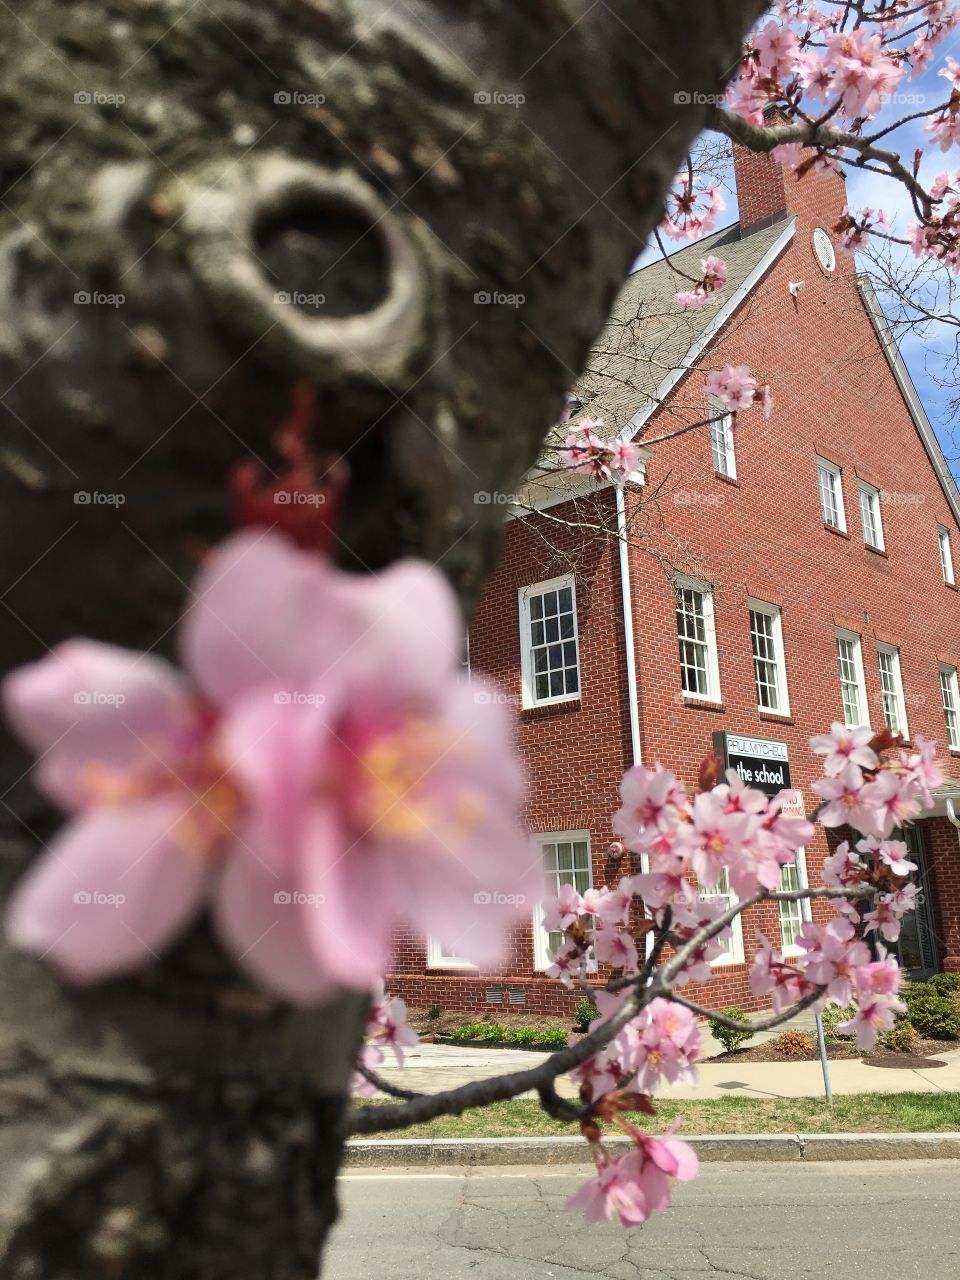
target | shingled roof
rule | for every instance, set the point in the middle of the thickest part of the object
(649, 336)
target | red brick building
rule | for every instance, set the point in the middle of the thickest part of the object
(774, 577)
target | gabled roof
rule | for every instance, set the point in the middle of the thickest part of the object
(650, 341)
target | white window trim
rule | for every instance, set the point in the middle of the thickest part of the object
(945, 543)
(951, 673)
(528, 695)
(872, 494)
(800, 862)
(541, 938)
(717, 409)
(735, 955)
(893, 652)
(857, 641)
(437, 959)
(783, 694)
(713, 694)
(837, 472)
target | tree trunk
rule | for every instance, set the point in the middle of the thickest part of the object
(181, 182)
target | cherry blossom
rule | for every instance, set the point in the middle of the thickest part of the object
(691, 213)
(714, 278)
(843, 745)
(589, 455)
(324, 776)
(636, 1184)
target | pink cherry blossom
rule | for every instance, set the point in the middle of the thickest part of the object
(611, 906)
(715, 837)
(615, 948)
(843, 745)
(636, 1184)
(561, 912)
(324, 777)
(734, 386)
(650, 801)
(844, 797)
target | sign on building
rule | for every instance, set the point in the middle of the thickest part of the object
(762, 763)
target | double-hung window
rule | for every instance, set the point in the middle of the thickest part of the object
(870, 518)
(769, 667)
(697, 640)
(790, 913)
(549, 648)
(946, 555)
(721, 438)
(891, 689)
(853, 689)
(566, 860)
(951, 704)
(831, 495)
(732, 945)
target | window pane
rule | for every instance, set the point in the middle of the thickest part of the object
(566, 599)
(791, 917)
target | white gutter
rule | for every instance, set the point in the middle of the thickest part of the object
(628, 646)
(909, 392)
(739, 295)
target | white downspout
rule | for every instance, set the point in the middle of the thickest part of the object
(628, 645)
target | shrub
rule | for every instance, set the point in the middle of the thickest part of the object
(792, 1044)
(833, 1015)
(434, 1012)
(480, 1031)
(945, 984)
(528, 1035)
(729, 1037)
(902, 1038)
(586, 1012)
(524, 1035)
(936, 1017)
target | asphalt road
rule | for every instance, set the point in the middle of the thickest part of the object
(871, 1219)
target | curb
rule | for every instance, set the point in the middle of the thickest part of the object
(753, 1147)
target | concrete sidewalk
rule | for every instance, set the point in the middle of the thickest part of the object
(432, 1068)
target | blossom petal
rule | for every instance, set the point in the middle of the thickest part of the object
(111, 893)
(264, 612)
(87, 704)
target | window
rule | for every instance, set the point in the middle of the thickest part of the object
(721, 438)
(951, 704)
(732, 946)
(697, 641)
(769, 668)
(946, 555)
(566, 860)
(831, 495)
(790, 913)
(437, 958)
(549, 655)
(870, 515)
(853, 689)
(891, 689)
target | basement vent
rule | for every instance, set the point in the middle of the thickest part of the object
(518, 997)
(494, 995)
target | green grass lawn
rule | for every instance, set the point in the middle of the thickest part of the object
(863, 1113)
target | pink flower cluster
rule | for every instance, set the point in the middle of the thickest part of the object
(714, 277)
(325, 776)
(636, 1184)
(661, 1043)
(736, 388)
(588, 454)
(692, 213)
(868, 794)
(854, 229)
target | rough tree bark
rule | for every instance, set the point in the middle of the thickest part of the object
(178, 1124)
